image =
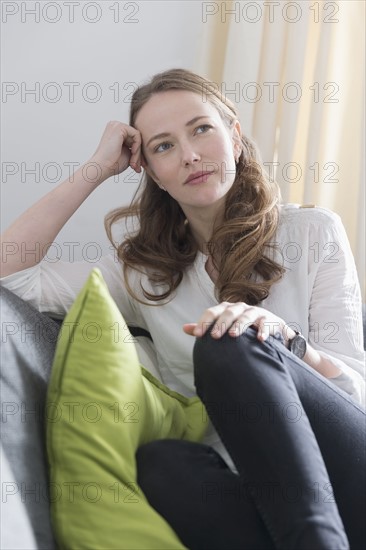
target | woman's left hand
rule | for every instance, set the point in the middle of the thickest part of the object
(235, 318)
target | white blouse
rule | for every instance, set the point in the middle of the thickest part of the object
(319, 295)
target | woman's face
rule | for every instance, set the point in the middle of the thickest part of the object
(184, 137)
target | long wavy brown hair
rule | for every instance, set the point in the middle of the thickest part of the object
(163, 246)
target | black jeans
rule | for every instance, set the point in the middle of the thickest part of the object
(297, 441)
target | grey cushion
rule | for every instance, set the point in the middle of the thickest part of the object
(27, 349)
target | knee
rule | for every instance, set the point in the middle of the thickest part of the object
(212, 355)
(221, 364)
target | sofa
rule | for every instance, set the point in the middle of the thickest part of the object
(28, 345)
(26, 359)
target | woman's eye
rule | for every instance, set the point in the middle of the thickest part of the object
(162, 147)
(203, 128)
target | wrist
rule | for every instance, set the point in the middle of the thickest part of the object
(95, 171)
(288, 334)
(298, 345)
(312, 357)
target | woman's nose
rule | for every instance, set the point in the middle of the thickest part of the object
(189, 154)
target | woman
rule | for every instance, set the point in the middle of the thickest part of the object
(271, 294)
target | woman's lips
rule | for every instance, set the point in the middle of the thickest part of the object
(200, 177)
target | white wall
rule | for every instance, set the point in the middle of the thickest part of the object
(127, 43)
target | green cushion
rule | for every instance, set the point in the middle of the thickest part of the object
(101, 406)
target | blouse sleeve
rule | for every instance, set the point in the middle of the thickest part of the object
(335, 308)
(51, 287)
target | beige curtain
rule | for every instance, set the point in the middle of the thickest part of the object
(296, 71)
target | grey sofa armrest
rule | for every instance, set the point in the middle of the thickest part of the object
(16, 531)
(27, 349)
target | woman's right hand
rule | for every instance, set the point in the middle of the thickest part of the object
(119, 148)
(39, 225)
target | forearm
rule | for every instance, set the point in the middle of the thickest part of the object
(319, 363)
(38, 226)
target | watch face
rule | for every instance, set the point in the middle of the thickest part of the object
(298, 346)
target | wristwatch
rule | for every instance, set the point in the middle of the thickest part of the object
(297, 345)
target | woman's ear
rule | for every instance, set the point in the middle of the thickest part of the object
(143, 162)
(147, 169)
(237, 143)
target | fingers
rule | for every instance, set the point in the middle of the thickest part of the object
(235, 319)
(245, 320)
(189, 328)
(133, 140)
(120, 147)
(209, 316)
(228, 317)
(135, 160)
(263, 328)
